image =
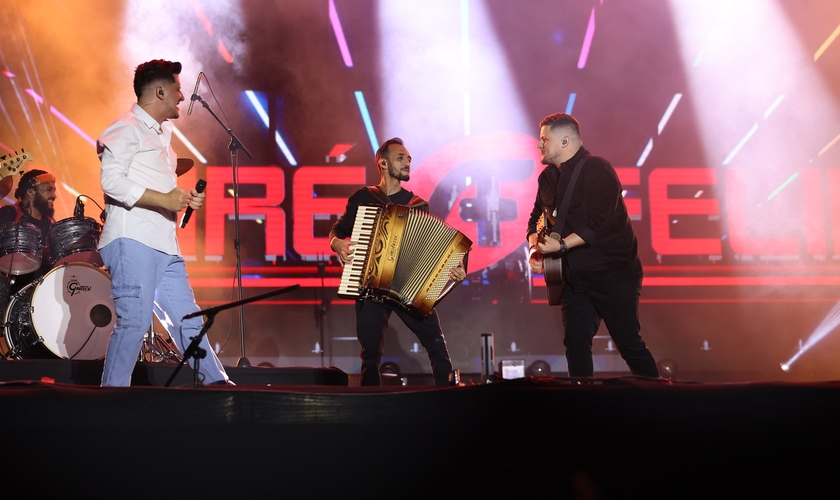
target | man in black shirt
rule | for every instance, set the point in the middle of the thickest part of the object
(601, 268)
(35, 205)
(394, 164)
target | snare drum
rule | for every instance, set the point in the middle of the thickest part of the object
(20, 248)
(68, 313)
(74, 240)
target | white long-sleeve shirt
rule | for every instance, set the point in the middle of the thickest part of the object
(136, 154)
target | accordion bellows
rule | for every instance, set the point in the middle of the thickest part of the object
(403, 255)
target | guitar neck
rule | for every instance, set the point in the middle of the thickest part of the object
(14, 164)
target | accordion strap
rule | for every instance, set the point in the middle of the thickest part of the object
(379, 195)
(416, 201)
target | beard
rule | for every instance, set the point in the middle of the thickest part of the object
(398, 174)
(43, 206)
(547, 159)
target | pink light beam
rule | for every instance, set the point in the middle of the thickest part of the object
(73, 126)
(38, 98)
(202, 17)
(57, 114)
(587, 41)
(339, 36)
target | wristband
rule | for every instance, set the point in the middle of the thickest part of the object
(563, 248)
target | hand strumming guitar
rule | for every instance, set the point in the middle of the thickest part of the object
(541, 245)
(542, 242)
(545, 242)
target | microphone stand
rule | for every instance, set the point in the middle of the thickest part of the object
(234, 146)
(321, 311)
(193, 351)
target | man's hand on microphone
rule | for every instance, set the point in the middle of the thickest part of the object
(176, 200)
(196, 199)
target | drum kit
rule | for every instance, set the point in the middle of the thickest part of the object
(68, 313)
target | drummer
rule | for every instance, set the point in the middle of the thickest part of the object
(35, 197)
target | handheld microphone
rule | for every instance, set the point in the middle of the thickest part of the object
(199, 186)
(194, 94)
(79, 211)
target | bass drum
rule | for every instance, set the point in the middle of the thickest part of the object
(67, 314)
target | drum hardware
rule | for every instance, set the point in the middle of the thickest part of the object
(79, 210)
(17, 325)
(156, 349)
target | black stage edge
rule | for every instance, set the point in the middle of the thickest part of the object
(622, 438)
(89, 372)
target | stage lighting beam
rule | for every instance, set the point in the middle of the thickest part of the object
(263, 114)
(363, 109)
(339, 35)
(826, 326)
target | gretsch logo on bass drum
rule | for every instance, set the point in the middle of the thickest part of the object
(74, 287)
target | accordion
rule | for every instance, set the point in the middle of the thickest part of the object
(403, 255)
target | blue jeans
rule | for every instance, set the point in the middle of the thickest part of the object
(146, 281)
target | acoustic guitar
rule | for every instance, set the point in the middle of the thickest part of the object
(552, 263)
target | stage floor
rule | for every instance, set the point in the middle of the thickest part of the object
(311, 433)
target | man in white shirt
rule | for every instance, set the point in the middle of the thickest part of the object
(138, 243)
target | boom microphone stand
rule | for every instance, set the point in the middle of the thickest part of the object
(193, 351)
(321, 311)
(235, 145)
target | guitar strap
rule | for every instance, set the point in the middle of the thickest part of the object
(560, 219)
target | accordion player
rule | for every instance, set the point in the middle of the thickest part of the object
(404, 255)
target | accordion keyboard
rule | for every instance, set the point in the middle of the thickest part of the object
(352, 274)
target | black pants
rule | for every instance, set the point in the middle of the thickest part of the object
(618, 306)
(371, 323)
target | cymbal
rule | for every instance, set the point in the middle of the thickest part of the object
(6, 185)
(184, 166)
